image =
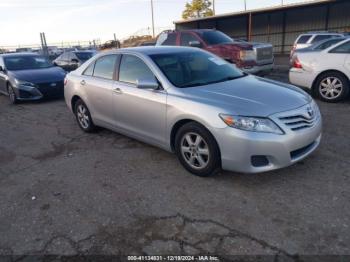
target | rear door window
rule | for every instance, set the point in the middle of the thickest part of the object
(105, 67)
(303, 39)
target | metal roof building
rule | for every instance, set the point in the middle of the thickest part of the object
(278, 25)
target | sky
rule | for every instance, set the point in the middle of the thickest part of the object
(21, 21)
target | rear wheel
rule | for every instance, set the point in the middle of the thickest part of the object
(332, 87)
(83, 117)
(12, 95)
(197, 150)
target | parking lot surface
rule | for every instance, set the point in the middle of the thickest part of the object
(65, 192)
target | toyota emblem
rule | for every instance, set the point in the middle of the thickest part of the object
(310, 112)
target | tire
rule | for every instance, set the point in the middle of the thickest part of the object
(83, 117)
(12, 95)
(200, 157)
(331, 87)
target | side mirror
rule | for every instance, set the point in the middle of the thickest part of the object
(195, 44)
(147, 83)
(75, 61)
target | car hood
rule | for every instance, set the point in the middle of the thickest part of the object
(234, 45)
(36, 76)
(249, 96)
(242, 45)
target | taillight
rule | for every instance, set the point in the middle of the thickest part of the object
(297, 64)
(65, 81)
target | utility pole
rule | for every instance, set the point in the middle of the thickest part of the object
(213, 7)
(245, 5)
(44, 44)
(282, 2)
(152, 18)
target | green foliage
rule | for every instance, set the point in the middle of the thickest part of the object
(197, 9)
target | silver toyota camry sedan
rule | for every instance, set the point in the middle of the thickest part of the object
(193, 103)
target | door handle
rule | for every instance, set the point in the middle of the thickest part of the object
(118, 90)
(82, 82)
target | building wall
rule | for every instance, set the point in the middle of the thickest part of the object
(281, 27)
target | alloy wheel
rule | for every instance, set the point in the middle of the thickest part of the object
(195, 150)
(12, 95)
(83, 116)
(331, 88)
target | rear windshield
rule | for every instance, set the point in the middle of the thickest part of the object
(328, 43)
(167, 39)
(216, 38)
(303, 39)
(319, 38)
(84, 56)
(26, 62)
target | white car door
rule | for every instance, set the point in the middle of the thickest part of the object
(341, 57)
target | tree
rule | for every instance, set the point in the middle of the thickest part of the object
(197, 9)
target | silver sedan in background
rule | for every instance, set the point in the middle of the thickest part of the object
(193, 103)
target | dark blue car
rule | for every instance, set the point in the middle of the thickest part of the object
(26, 76)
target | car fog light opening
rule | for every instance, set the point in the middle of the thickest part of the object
(259, 161)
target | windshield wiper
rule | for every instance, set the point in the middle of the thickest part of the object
(214, 82)
(194, 84)
(228, 79)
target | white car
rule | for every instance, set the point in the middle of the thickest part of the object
(308, 39)
(326, 73)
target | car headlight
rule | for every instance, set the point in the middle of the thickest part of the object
(24, 83)
(247, 55)
(253, 124)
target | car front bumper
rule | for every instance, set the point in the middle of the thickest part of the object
(258, 69)
(238, 148)
(25, 93)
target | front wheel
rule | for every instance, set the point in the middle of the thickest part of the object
(83, 117)
(197, 150)
(12, 95)
(332, 87)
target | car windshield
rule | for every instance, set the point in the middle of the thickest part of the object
(84, 56)
(26, 62)
(326, 43)
(195, 68)
(216, 38)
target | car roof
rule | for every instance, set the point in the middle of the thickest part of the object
(152, 50)
(189, 30)
(83, 51)
(323, 33)
(18, 54)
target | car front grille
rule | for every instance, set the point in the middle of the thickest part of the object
(302, 151)
(299, 122)
(52, 89)
(264, 53)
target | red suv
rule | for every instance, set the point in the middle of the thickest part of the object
(250, 57)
